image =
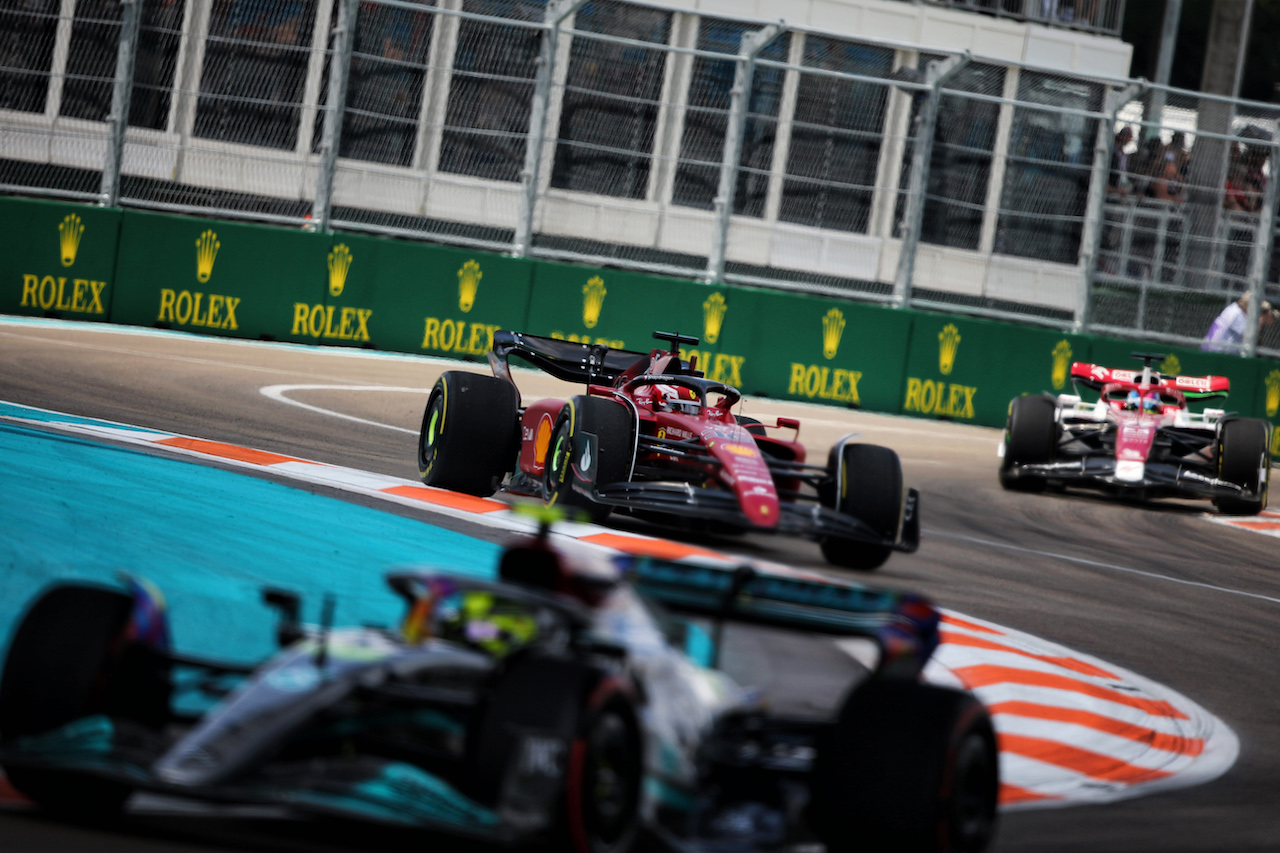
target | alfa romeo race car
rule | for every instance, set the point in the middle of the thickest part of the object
(1139, 439)
(570, 704)
(647, 438)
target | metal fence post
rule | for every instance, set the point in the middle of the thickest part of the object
(331, 133)
(1261, 262)
(1094, 215)
(121, 93)
(530, 176)
(752, 43)
(936, 75)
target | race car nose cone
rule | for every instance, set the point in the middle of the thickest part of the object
(761, 509)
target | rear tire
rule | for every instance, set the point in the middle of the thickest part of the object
(598, 431)
(750, 424)
(470, 434)
(1244, 458)
(1032, 439)
(906, 767)
(869, 488)
(68, 660)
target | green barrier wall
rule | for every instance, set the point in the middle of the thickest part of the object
(59, 259)
(823, 350)
(624, 309)
(251, 281)
(416, 298)
(968, 370)
(216, 278)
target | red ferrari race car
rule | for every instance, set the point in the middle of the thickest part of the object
(652, 436)
(1139, 439)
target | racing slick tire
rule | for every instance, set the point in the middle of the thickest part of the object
(907, 767)
(68, 660)
(870, 490)
(598, 789)
(470, 434)
(1032, 437)
(591, 445)
(1244, 458)
(750, 424)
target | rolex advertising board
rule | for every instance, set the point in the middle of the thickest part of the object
(968, 370)
(211, 277)
(623, 310)
(409, 297)
(824, 350)
(59, 259)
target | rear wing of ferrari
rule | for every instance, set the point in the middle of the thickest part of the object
(903, 625)
(567, 360)
(1095, 376)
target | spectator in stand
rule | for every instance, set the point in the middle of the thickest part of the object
(1177, 151)
(1146, 165)
(1118, 182)
(1168, 185)
(1235, 197)
(1227, 332)
(1255, 177)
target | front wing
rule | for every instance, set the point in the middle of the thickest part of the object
(811, 520)
(1164, 477)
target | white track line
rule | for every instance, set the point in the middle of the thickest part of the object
(279, 392)
(991, 543)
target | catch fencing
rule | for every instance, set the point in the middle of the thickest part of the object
(637, 136)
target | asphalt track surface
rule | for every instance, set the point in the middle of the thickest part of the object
(1152, 588)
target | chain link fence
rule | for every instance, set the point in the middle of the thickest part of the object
(649, 138)
(1188, 220)
(57, 73)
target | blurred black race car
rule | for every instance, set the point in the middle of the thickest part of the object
(653, 436)
(574, 703)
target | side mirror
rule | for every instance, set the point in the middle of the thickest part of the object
(289, 606)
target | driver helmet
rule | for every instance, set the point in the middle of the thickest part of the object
(1133, 402)
(678, 399)
(486, 621)
(1151, 403)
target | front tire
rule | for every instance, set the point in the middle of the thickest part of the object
(591, 445)
(1032, 438)
(470, 433)
(868, 486)
(69, 660)
(1244, 458)
(907, 767)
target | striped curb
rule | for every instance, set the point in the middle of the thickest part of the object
(1073, 729)
(1266, 522)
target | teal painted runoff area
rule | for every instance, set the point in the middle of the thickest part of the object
(211, 539)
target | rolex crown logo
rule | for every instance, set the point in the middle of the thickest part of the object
(468, 283)
(593, 294)
(948, 343)
(70, 230)
(339, 262)
(1273, 393)
(832, 329)
(713, 316)
(207, 246)
(1171, 366)
(1061, 362)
